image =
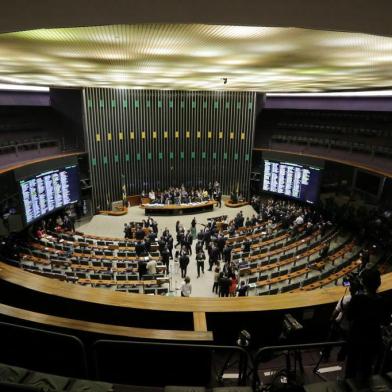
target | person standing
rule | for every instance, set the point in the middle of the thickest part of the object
(180, 238)
(219, 198)
(170, 244)
(227, 253)
(233, 285)
(184, 261)
(154, 226)
(165, 256)
(224, 285)
(207, 237)
(214, 256)
(142, 268)
(188, 240)
(200, 258)
(199, 246)
(186, 287)
(221, 241)
(176, 261)
(193, 228)
(215, 287)
(366, 312)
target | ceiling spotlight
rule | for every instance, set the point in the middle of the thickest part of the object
(224, 80)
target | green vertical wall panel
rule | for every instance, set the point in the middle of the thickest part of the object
(201, 153)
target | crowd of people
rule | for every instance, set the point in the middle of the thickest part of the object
(181, 195)
(358, 315)
(213, 248)
(56, 224)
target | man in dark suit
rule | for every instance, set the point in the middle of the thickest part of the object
(214, 256)
(227, 253)
(200, 257)
(224, 286)
(165, 256)
(140, 248)
(142, 268)
(246, 246)
(184, 261)
(170, 242)
(199, 246)
(139, 233)
(188, 240)
(207, 237)
(219, 199)
(161, 243)
(221, 241)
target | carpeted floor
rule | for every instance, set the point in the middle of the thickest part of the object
(113, 227)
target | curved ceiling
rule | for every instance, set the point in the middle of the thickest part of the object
(194, 56)
(339, 15)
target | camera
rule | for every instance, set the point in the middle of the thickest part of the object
(244, 338)
(353, 280)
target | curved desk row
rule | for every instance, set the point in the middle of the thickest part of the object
(178, 209)
(178, 304)
(106, 329)
(224, 317)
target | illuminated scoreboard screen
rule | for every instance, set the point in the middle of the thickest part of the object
(49, 191)
(292, 180)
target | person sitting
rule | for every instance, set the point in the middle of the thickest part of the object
(151, 196)
(152, 267)
(140, 248)
(186, 287)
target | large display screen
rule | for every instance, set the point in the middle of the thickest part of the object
(49, 191)
(292, 180)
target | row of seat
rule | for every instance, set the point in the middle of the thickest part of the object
(301, 270)
(335, 128)
(347, 145)
(27, 145)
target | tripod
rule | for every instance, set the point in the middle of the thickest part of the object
(231, 362)
(242, 362)
(244, 371)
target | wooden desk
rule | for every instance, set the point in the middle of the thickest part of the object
(199, 334)
(176, 304)
(181, 209)
(123, 211)
(230, 204)
(134, 200)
